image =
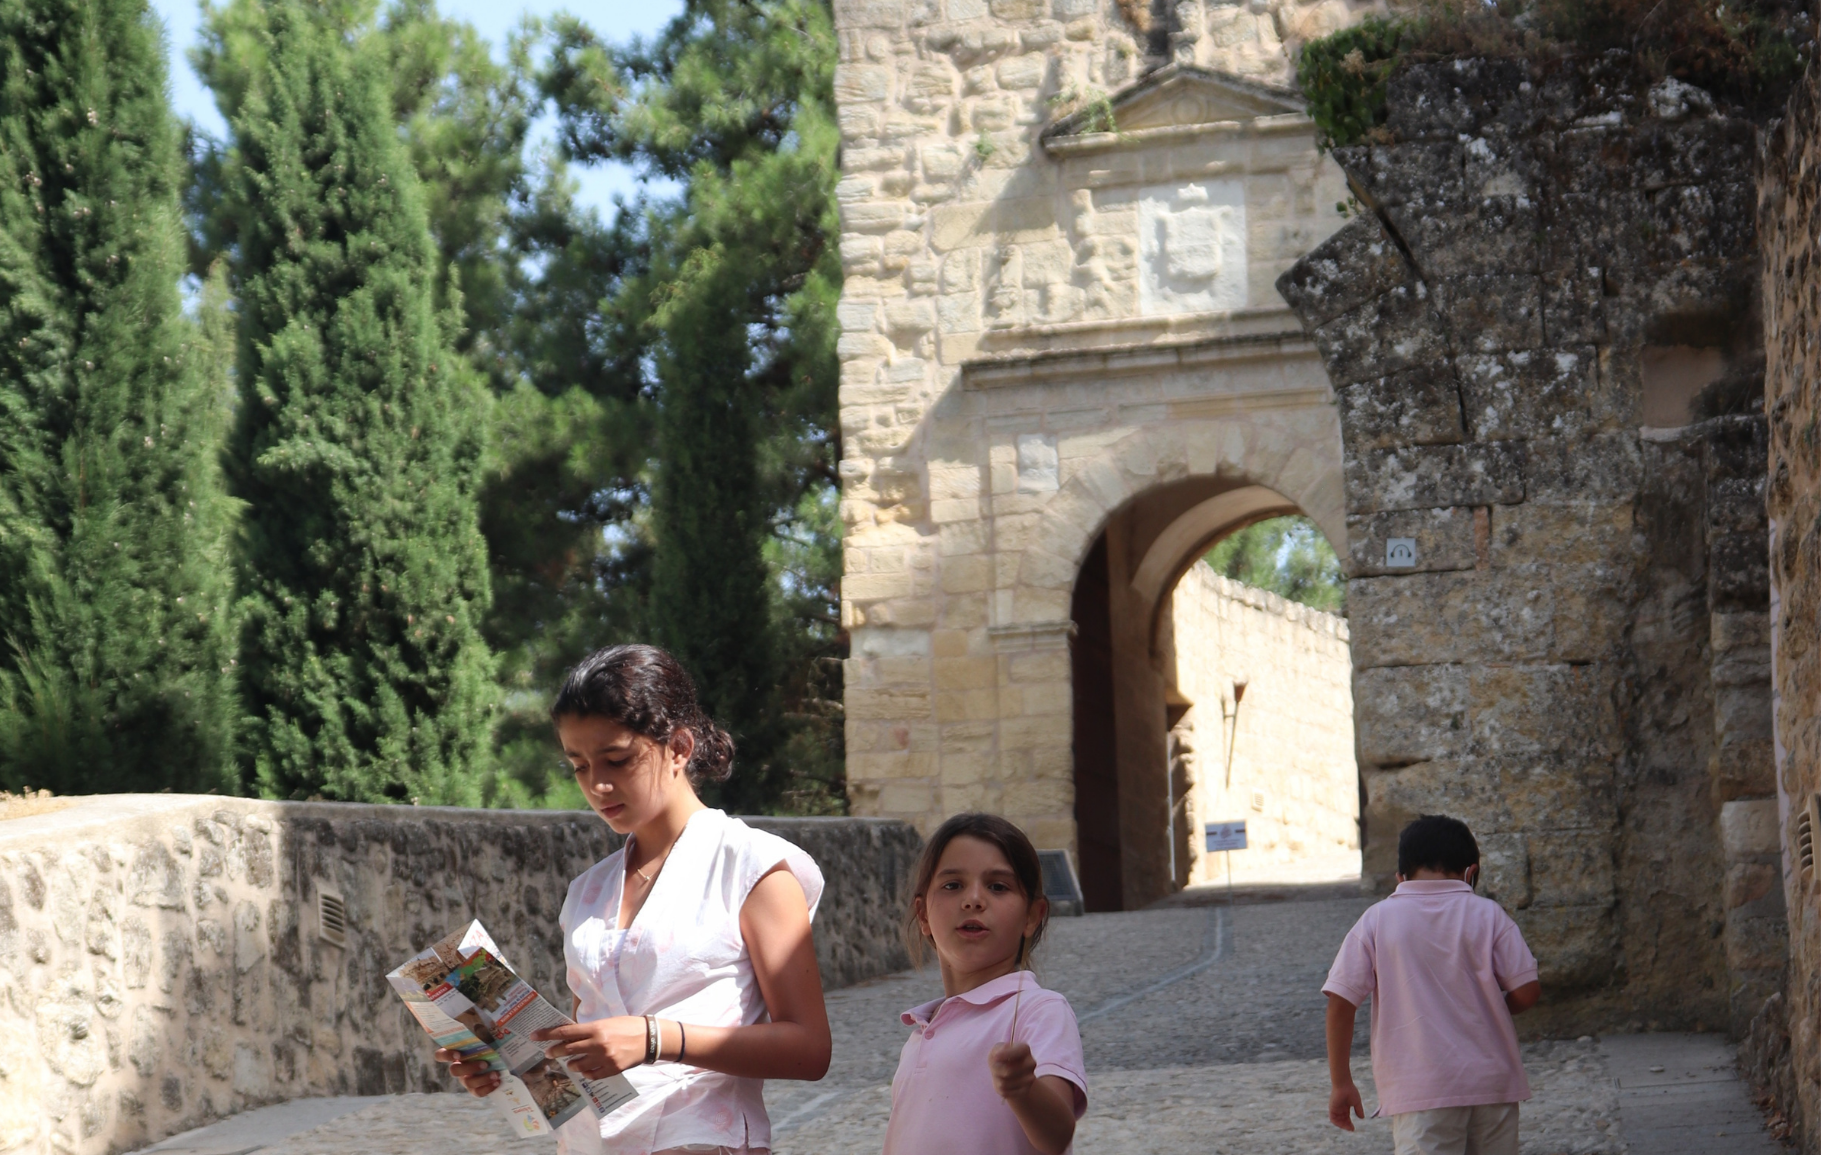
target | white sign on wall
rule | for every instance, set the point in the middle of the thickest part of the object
(1226, 836)
(1192, 248)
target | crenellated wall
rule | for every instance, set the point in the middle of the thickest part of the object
(162, 962)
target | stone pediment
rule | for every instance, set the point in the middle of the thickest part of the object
(1176, 101)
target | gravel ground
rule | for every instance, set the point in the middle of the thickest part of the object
(1276, 1108)
(1203, 1034)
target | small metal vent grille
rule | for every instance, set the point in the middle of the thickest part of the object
(1808, 825)
(331, 918)
(1805, 843)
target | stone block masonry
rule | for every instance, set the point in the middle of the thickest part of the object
(1789, 218)
(163, 959)
(1293, 777)
(1543, 332)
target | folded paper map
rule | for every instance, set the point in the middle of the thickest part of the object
(469, 999)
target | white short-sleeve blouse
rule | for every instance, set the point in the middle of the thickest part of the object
(682, 958)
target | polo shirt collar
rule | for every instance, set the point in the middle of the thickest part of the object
(1432, 886)
(983, 995)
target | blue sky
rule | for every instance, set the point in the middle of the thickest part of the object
(615, 20)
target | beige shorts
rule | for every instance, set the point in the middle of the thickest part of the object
(1490, 1129)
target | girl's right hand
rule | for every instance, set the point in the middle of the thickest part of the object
(474, 1076)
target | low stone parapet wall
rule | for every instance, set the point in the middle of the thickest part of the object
(166, 959)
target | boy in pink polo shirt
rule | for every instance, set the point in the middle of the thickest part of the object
(1445, 970)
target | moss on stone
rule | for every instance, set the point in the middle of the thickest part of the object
(1747, 54)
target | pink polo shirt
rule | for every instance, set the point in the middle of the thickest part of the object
(1436, 960)
(943, 1102)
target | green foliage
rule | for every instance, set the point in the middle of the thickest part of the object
(1287, 556)
(710, 589)
(654, 457)
(568, 451)
(357, 446)
(1093, 103)
(569, 466)
(1746, 52)
(805, 556)
(464, 117)
(1344, 76)
(731, 306)
(114, 607)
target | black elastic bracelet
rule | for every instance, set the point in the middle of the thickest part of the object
(682, 1041)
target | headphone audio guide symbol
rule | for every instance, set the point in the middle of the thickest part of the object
(1400, 553)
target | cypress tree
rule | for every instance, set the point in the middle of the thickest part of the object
(357, 447)
(114, 624)
(711, 595)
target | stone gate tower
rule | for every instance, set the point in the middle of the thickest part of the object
(1065, 372)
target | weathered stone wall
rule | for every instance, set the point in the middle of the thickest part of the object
(1790, 219)
(161, 962)
(1542, 332)
(1293, 779)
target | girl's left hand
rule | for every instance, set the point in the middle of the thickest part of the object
(601, 1048)
(1014, 1070)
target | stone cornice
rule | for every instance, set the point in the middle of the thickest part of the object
(1130, 360)
(1287, 124)
(1131, 332)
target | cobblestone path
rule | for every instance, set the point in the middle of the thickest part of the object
(1203, 1033)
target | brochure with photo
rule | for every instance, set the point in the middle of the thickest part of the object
(466, 996)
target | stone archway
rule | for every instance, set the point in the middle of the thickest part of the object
(1131, 823)
(964, 698)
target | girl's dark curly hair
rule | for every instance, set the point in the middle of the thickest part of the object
(647, 691)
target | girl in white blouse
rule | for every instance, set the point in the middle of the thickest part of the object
(689, 949)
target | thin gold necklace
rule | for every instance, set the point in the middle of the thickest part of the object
(654, 866)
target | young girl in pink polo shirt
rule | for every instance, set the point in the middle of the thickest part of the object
(1446, 970)
(994, 1067)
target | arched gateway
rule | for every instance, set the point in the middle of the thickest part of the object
(1065, 372)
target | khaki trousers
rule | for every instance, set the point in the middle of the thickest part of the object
(1489, 1129)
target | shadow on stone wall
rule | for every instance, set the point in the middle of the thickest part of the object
(163, 959)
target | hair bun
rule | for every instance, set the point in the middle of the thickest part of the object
(713, 757)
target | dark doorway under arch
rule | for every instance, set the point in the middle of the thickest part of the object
(1096, 756)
